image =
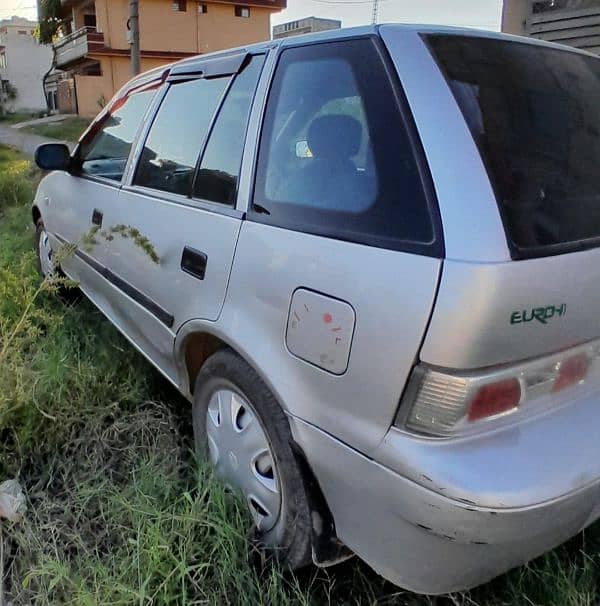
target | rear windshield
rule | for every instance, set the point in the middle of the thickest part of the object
(534, 113)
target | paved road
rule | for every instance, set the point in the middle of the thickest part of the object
(26, 142)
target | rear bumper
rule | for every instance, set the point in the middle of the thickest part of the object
(424, 541)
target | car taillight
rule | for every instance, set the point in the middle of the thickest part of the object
(571, 371)
(495, 399)
(446, 403)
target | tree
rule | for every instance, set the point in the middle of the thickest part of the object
(50, 20)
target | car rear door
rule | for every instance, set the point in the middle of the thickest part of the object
(173, 229)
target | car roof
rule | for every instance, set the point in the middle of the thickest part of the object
(351, 32)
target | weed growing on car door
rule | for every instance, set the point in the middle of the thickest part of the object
(117, 513)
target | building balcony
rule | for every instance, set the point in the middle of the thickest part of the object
(76, 46)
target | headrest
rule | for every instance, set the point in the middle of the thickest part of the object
(336, 135)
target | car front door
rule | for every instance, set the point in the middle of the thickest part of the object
(172, 232)
(75, 200)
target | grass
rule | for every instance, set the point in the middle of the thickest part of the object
(118, 511)
(16, 117)
(68, 129)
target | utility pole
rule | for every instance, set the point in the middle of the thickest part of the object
(133, 25)
(375, 11)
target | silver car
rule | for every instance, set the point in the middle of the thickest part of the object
(370, 260)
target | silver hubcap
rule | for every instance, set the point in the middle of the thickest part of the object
(46, 261)
(240, 452)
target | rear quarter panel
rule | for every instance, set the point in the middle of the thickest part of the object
(392, 294)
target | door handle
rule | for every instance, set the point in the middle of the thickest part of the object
(97, 217)
(193, 262)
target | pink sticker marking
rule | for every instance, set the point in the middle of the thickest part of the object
(327, 318)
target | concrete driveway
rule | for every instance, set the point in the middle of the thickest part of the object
(25, 142)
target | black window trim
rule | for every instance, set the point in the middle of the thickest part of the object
(435, 248)
(517, 253)
(189, 200)
(181, 200)
(212, 126)
(225, 64)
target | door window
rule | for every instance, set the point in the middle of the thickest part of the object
(177, 135)
(220, 166)
(105, 149)
(335, 157)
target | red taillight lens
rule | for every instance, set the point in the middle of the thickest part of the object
(494, 399)
(571, 371)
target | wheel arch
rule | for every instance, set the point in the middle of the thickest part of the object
(36, 214)
(196, 341)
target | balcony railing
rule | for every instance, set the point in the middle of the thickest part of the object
(76, 46)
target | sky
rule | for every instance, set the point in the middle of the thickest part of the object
(483, 14)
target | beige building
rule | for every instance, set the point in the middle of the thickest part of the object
(94, 48)
(572, 22)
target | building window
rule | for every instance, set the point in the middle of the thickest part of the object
(179, 6)
(89, 20)
(242, 11)
(202, 8)
(22, 32)
(2, 61)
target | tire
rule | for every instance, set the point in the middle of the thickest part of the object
(46, 268)
(287, 536)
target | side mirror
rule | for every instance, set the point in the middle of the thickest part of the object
(53, 156)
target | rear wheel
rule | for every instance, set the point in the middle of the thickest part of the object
(242, 431)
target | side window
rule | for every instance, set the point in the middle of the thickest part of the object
(335, 156)
(105, 149)
(220, 166)
(177, 135)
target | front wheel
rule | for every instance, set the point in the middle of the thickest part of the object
(241, 429)
(48, 268)
(44, 253)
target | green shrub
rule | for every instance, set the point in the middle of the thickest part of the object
(16, 179)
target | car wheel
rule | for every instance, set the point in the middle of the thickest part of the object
(243, 432)
(47, 266)
(44, 253)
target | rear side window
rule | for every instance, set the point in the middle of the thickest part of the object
(336, 158)
(177, 135)
(534, 113)
(105, 149)
(220, 166)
